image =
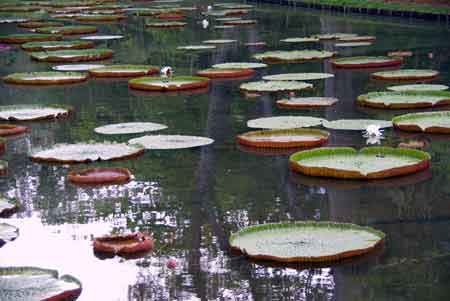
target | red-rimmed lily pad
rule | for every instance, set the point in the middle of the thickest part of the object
(37, 284)
(102, 37)
(82, 55)
(400, 54)
(57, 45)
(12, 129)
(220, 41)
(418, 87)
(274, 86)
(225, 73)
(307, 242)
(8, 207)
(170, 16)
(87, 152)
(300, 40)
(239, 65)
(255, 44)
(77, 67)
(280, 56)
(45, 78)
(428, 122)
(33, 112)
(306, 102)
(129, 128)
(366, 62)
(123, 245)
(367, 163)
(285, 138)
(175, 83)
(172, 24)
(100, 18)
(355, 124)
(171, 141)
(406, 74)
(284, 122)
(404, 100)
(100, 176)
(334, 36)
(124, 71)
(67, 30)
(21, 38)
(38, 24)
(7, 233)
(356, 39)
(298, 76)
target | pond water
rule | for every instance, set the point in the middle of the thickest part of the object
(190, 200)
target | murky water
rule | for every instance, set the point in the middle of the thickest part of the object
(190, 200)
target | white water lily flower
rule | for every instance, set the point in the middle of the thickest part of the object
(374, 140)
(166, 72)
(209, 7)
(205, 23)
(373, 130)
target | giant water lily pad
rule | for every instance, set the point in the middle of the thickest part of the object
(7, 207)
(45, 78)
(225, 73)
(124, 71)
(334, 36)
(406, 74)
(35, 284)
(283, 138)
(77, 67)
(171, 141)
(39, 24)
(220, 41)
(57, 45)
(352, 44)
(298, 76)
(102, 37)
(129, 128)
(172, 24)
(130, 245)
(366, 62)
(274, 86)
(7, 233)
(67, 30)
(428, 122)
(87, 152)
(73, 55)
(367, 163)
(353, 39)
(404, 100)
(300, 40)
(20, 38)
(240, 22)
(306, 102)
(33, 112)
(418, 87)
(305, 241)
(197, 47)
(293, 55)
(175, 83)
(238, 65)
(99, 18)
(355, 124)
(284, 122)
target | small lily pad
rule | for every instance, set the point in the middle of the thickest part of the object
(367, 163)
(32, 283)
(175, 83)
(197, 47)
(306, 102)
(293, 55)
(406, 74)
(45, 78)
(67, 30)
(366, 62)
(73, 55)
(355, 124)
(305, 241)
(33, 112)
(7, 207)
(405, 100)
(86, 152)
(129, 128)
(7, 233)
(300, 40)
(274, 86)
(298, 76)
(77, 67)
(21, 38)
(418, 87)
(284, 122)
(220, 41)
(124, 71)
(428, 122)
(171, 141)
(284, 138)
(58, 45)
(237, 65)
(102, 37)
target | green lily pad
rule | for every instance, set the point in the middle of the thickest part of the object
(284, 138)
(33, 112)
(293, 55)
(284, 122)
(39, 24)
(129, 128)
(73, 55)
(352, 44)
(428, 122)
(305, 241)
(7, 233)
(67, 30)
(298, 76)
(367, 163)
(124, 70)
(87, 152)
(32, 283)
(234, 6)
(300, 40)
(171, 141)
(405, 100)
(169, 84)
(197, 47)
(406, 74)
(171, 24)
(20, 38)
(58, 45)
(100, 18)
(228, 19)
(7, 207)
(77, 67)
(238, 65)
(306, 102)
(356, 39)
(240, 22)
(224, 27)
(334, 36)
(220, 41)
(355, 124)
(366, 62)
(418, 87)
(45, 78)
(274, 86)
(102, 37)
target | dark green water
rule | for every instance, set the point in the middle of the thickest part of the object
(190, 200)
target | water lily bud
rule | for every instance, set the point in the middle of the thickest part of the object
(171, 263)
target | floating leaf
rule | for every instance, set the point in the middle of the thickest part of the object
(220, 41)
(102, 37)
(165, 24)
(283, 138)
(20, 38)
(300, 40)
(239, 65)
(225, 73)
(169, 84)
(418, 87)
(406, 74)
(293, 55)
(171, 141)
(356, 39)
(86, 152)
(7, 207)
(129, 128)
(73, 55)
(77, 67)
(240, 22)
(100, 176)
(45, 78)
(355, 124)
(38, 24)
(298, 76)
(32, 283)
(33, 112)
(404, 100)
(7, 233)
(197, 47)
(334, 36)
(366, 62)
(124, 71)
(57, 45)
(284, 122)
(428, 122)
(305, 241)
(123, 245)
(274, 86)
(99, 18)
(352, 44)
(368, 163)
(67, 30)
(306, 102)
(12, 130)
